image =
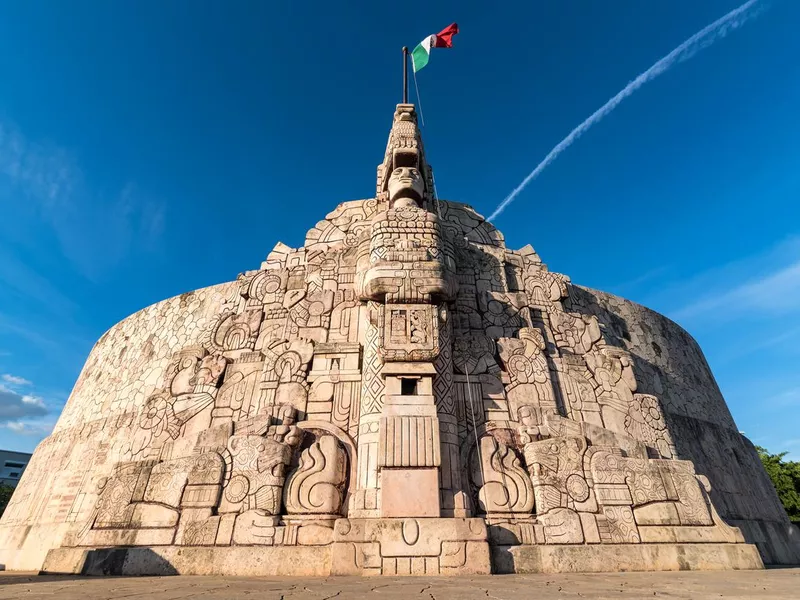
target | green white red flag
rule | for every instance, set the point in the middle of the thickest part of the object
(422, 53)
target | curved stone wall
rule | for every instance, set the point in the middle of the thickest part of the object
(401, 395)
(670, 364)
(129, 360)
(94, 430)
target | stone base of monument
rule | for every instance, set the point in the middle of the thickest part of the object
(237, 561)
(411, 546)
(473, 558)
(624, 557)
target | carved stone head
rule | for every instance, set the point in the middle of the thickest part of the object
(405, 187)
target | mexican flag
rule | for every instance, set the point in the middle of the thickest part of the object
(443, 39)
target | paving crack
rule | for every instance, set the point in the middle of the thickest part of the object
(488, 595)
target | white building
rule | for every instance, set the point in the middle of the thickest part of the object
(12, 464)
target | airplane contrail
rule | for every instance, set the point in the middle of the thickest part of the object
(700, 40)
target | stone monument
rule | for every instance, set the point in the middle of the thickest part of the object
(403, 395)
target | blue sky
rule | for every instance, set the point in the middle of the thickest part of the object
(151, 148)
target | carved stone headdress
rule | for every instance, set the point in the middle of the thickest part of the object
(404, 149)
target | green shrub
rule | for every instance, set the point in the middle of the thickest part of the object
(785, 476)
(5, 496)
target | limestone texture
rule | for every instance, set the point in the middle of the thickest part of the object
(403, 395)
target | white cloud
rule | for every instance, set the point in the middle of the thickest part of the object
(700, 40)
(783, 399)
(783, 340)
(46, 172)
(764, 285)
(14, 380)
(648, 276)
(15, 406)
(33, 401)
(29, 428)
(775, 292)
(96, 231)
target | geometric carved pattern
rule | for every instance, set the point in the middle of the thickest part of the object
(373, 386)
(398, 366)
(645, 421)
(443, 381)
(409, 442)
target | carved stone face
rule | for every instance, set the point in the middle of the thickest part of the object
(405, 182)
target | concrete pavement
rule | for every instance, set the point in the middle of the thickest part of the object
(774, 583)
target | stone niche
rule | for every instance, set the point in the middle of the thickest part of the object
(402, 395)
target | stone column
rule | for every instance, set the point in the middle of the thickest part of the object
(453, 498)
(364, 501)
(409, 452)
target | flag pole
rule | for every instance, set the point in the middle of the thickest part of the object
(405, 75)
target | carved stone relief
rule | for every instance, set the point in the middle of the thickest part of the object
(528, 371)
(403, 352)
(504, 487)
(316, 486)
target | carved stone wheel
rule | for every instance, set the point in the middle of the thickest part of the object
(237, 488)
(577, 488)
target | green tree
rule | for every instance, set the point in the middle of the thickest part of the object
(5, 496)
(785, 476)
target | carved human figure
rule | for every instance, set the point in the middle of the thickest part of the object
(419, 326)
(232, 331)
(115, 494)
(528, 371)
(146, 494)
(612, 369)
(473, 353)
(405, 187)
(182, 372)
(543, 288)
(284, 373)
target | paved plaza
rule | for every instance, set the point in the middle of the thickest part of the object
(777, 583)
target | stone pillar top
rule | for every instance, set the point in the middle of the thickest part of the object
(405, 150)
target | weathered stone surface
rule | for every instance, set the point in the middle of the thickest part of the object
(307, 561)
(397, 396)
(669, 364)
(625, 557)
(412, 546)
(410, 493)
